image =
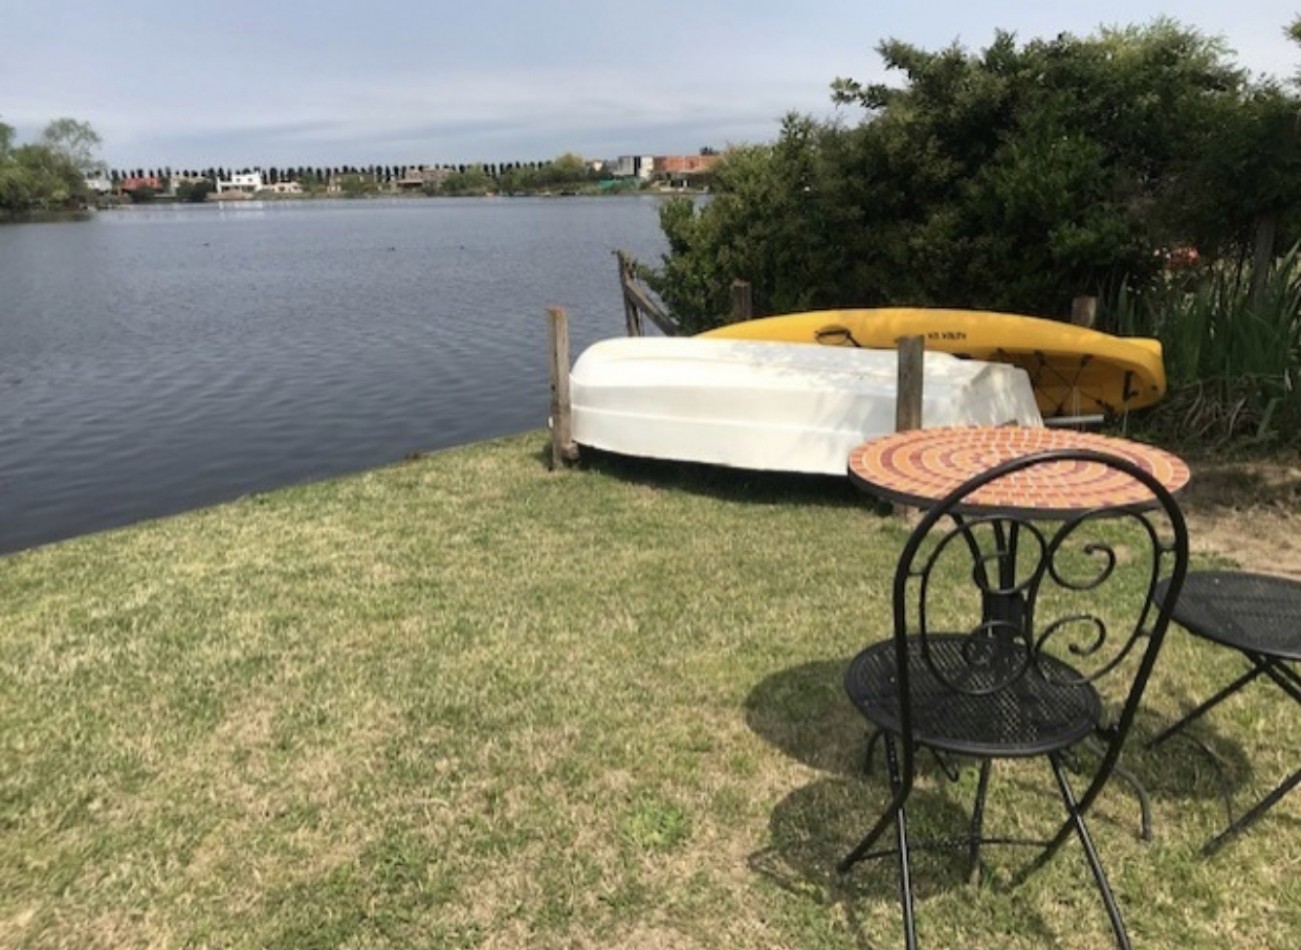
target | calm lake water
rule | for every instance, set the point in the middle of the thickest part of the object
(157, 360)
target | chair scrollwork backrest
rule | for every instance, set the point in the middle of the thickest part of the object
(986, 596)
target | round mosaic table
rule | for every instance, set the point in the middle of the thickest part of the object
(921, 466)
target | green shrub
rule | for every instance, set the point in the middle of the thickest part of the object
(1232, 348)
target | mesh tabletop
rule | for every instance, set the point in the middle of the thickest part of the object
(1254, 612)
(921, 466)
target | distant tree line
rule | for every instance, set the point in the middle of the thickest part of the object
(566, 171)
(385, 173)
(56, 173)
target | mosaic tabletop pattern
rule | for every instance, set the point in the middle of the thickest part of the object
(921, 466)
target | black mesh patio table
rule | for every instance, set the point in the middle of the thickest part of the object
(1259, 616)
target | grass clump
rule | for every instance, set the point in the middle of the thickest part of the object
(1232, 346)
(466, 702)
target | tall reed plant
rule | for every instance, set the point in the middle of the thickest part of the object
(1232, 348)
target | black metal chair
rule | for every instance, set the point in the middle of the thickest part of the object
(1260, 617)
(1015, 637)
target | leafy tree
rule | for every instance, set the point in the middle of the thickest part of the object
(44, 175)
(777, 222)
(75, 141)
(192, 191)
(517, 179)
(565, 170)
(1011, 179)
(142, 194)
(354, 185)
(468, 180)
(1241, 191)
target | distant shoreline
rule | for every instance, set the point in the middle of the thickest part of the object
(115, 204)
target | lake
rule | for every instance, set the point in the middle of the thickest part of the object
(158, 359)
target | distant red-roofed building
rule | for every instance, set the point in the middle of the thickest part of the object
(684, 164)
(147, 181)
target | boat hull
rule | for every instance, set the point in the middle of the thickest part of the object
(1075, 371)
(771, 406)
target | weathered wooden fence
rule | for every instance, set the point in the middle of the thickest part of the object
(637, 303)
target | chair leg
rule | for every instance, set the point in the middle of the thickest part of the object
(1201, 709)
(1256, 811)
(1090, 852)
(894, 812)
(1095, 745)
(901, 837)
(870, 751)
(899, 790)
(978, 821)
(861, 849)
(1144, 805)
(905, 881)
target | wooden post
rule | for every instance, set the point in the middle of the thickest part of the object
(742, 301)
(908, 400)
(1084, 311)
(631, 315)
(908, 397)
(563, 448)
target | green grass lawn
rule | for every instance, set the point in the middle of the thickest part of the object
(464, 701)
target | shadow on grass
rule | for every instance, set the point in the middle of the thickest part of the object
(1197, 762)
(803, 711)
(1201, 761)
(814, 827)
(728, 484)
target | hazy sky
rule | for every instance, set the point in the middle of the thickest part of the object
(398, 81)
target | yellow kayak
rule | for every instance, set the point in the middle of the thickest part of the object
(1074, 371)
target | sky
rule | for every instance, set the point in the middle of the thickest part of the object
(340, 82)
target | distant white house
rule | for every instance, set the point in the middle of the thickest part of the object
(417, 177)
(635, 166)
(249, 182)
(99, 184)
(286, 188)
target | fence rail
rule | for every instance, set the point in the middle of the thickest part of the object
(637, 303)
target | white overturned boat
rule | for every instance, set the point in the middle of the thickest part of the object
(772, 406)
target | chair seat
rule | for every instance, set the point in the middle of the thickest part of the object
(1045, 710)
